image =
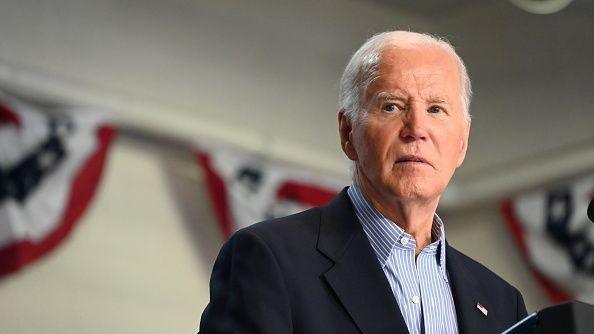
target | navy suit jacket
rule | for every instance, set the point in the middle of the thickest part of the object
(315, 272)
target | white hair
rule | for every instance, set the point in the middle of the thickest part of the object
(362, 69)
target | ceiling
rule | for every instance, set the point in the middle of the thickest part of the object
(436, 9)
(429, 8)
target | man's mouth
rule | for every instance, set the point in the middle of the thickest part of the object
(412, 159)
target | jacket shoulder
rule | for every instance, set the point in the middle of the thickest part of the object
(294, 229)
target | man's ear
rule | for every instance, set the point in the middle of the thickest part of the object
(464, 144)
(345, 129)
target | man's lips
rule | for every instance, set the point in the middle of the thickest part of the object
(412, 159)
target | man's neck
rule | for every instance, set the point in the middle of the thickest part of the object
(415, 217)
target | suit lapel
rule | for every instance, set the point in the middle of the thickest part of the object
(467, 293)
(356, 276)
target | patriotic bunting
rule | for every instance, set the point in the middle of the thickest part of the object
(556, 238)
(246, 188)
(49, 170)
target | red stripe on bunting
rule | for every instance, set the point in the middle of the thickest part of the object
(553, 291)
(218, 193)
(305, 193)
(7, 116)
(16, 255)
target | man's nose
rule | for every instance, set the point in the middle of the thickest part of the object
(414, 124)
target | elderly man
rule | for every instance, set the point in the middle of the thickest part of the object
(375, 259)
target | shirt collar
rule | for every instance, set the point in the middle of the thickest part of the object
(385, 236)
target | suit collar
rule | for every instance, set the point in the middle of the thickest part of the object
(356, 276)
(385, 234)
(337, 227)
(467, 293)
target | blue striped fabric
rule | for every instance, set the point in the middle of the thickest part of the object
(421, 288)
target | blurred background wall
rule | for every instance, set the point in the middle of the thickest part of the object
(263, 76)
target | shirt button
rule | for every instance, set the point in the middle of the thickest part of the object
(416, 299)
(404, 240)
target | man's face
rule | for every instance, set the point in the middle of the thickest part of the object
(414, 134)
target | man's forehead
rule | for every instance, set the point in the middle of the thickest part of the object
(390, 51)
(398, 84)
(428, 65)
(432, 58)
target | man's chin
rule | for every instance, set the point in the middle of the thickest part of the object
(413, 192)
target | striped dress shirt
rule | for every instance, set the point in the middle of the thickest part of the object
(420, 287)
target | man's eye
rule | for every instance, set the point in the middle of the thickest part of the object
(435, 109)
(391, 107)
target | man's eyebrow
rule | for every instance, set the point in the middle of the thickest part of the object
(389, 96)
(436, 99)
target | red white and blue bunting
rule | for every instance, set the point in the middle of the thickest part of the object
(245, 188)
(556, 237)
(50, 167)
